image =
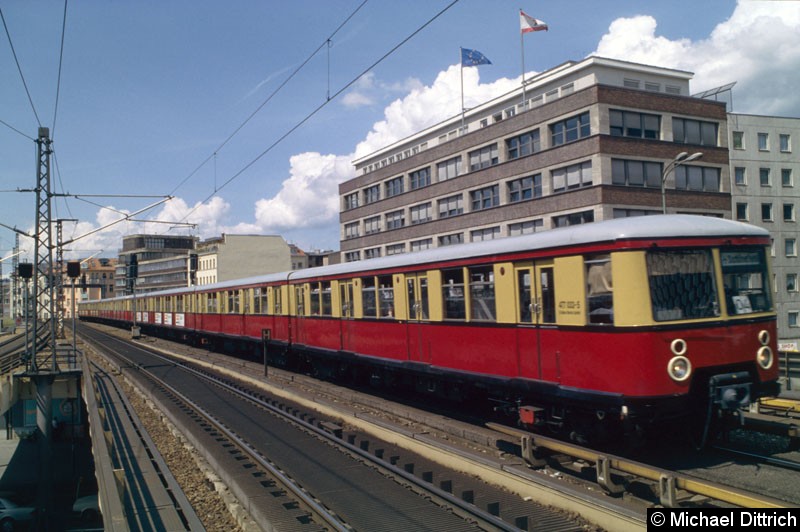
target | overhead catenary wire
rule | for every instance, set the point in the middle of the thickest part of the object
(321, 106)
(269, 98)
(19, 68)
(60, 63)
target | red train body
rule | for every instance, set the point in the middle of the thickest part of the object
(638, 319)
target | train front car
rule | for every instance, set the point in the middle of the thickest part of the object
(690, 327)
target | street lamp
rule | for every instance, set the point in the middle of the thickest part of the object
(681, 158)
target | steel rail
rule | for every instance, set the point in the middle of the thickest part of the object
(316, 508)
(669, 481)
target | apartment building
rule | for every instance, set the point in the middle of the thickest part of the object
(764, 166)
(230, 257)
(585, 141)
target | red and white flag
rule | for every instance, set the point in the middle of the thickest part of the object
(528, 23)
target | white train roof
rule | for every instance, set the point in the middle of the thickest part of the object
(636, 228)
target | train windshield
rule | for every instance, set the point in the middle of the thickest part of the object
(682, 284)
(744, 273)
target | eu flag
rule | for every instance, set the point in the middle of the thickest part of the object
(473, 58)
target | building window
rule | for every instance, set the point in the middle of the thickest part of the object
(485, 198)
(573, 176)
(483, 158)
(523, 145)
(448, 169)
(525, 188)
(351, 201)
(788, 212)
(421, 213)
(394, 187)
(372, 194)
(786, 177)
(636, 173)
(352, 256)
(637, 125)
(419, 245)
(576, 218)
(786, 143)
(763, 177)
(525, 228)
(449, 240)
(790, 246)
(452, 206)
(739, 176)
(351, 230)
(738, 140)
(700, 178)
(766, 212)
(570, 130)
(792, 318)
(741, 211)
(395, 249)
(479, 235)
(372, 253)
(395, 220)
(420, 178)
(763, 142)
(631, 213)
(791, 282)
(686, 131)
(372, 225)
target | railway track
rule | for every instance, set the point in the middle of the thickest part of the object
(151, 497)
(413, 493)
(656, 487)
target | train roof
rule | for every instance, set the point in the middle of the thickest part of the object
(637, 228)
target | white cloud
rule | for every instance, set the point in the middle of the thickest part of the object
(756, 48)
(425, 106)
(309, 197)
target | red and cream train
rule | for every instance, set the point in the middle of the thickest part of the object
(633, 320)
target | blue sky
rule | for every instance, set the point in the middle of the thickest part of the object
(151, 90)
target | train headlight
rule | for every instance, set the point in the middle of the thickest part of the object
(679, 368)
(763, 337)
(764, 357)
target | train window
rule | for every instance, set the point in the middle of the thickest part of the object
(481, 294)
(346, 299)
(300, 299)
(386, 296)
(179, 303)
(548, 295)
(368, 297)
(417, 292)
(525, 300)
(599, 289)
(744, 274)
(234, 302)
(682, 284)
(260, 305)
(211, 303)
(314, 299)
(276, 294)
(325, 298)
(453, 294)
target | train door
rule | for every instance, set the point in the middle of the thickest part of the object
(297, 314)
(418, 313)
(346, 313)
(536, 313)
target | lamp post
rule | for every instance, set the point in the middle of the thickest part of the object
(681, 158)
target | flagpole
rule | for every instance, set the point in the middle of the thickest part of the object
(522, 50)
(461, 67)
